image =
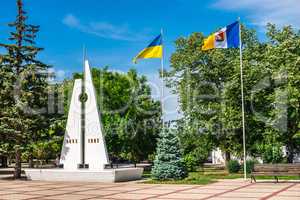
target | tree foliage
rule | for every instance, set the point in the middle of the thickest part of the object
(168, 163)
(23, 96)
(208, 85)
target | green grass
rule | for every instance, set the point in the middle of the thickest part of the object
(199, 177)
(193, 178)
(146, 174)
(208, 175)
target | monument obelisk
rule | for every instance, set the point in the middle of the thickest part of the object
(84, 155)
(84, 143)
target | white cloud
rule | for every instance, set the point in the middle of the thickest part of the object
(104, 29)
(280, 12)
(71, 21)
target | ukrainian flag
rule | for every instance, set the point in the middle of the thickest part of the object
(153, 50)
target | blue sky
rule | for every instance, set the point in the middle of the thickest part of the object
(115, 31)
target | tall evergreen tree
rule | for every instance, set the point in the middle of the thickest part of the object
(23, 85)
(168, 163)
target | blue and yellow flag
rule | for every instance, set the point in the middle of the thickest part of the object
(153, 50)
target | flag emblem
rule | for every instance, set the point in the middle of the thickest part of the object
(220, 36)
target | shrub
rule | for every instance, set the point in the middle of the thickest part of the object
(201, 154)
(272, 153)
(196, 145)
(250, 166)
(233, 166)
(168, 164)
(191, 162)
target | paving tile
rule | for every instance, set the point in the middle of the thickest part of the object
(69, 196)
(18, 197)
(127, 196)
(78, 188)
(46, 192)
(204, 191)
(49, 186)
(124, 188)
(97, 192)
(99, 198)
(7, 192)
(41, 190)
(25, 189)
(185, 196)
(11, 186)
(230, 198)
(151, 191)
(161, 199)
(173, 187)
(290, 193)
(258, 190)
(245, 195)
(98, 186)
(269, 185)
(294, 189)
(283, 198)
(220, 187)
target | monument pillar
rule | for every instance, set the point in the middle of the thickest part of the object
(84, 142)
(84, 155)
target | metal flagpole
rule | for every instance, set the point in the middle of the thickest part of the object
(162, 81)
(243, 104)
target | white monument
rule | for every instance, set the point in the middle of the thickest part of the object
(84, 144)
(84, 154)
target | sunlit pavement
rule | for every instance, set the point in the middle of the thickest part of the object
(222, 190)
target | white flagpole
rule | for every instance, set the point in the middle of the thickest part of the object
(243, 104)
(162, 82)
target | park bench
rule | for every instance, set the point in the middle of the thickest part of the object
(275, 170)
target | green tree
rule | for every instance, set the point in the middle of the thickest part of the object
(282, 53)
(200, 78)
(208, 85)
(168, 163)
(271, 147)
(23, 96)
(196, 147)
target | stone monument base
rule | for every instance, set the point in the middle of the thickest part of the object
(82, 175)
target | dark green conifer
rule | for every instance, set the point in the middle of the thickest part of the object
(23, 83)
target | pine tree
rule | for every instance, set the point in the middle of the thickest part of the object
(168, 163)
(23, 96)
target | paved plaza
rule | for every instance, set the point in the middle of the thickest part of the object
(222, 190)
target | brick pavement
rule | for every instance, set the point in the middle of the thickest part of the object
(222, 190)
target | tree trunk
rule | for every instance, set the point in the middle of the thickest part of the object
(290, 158)
(17, 172)
(30, 161)
(227, 157)
(4, 164)
(290, 154)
